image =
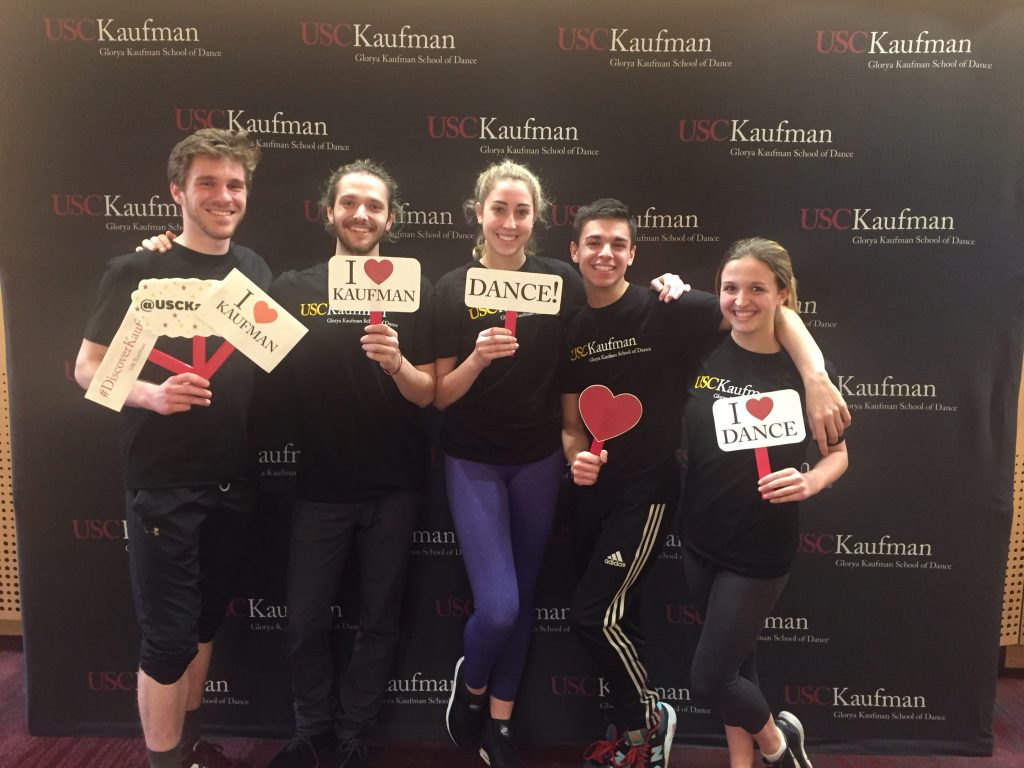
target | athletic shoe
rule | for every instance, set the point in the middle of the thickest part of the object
(207, 755)
(465, 714)
(793, 730)
(496, 745)
(655, 752)
(303, 751)
(602, 752)
(354, 753)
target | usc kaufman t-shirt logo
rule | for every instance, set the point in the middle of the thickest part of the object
(595, 351)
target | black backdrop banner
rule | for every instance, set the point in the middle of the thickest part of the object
(881, 143)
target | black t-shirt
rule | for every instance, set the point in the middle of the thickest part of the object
(726, 522)
(205, 444)
(639, 345)
(357, 435)
(511, 414)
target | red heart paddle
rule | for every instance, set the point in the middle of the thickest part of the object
(607, 415)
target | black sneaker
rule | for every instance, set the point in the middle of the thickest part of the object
(496, 745)
(302, 752)
(793, 730)
(354, 753)
(465, 714)
(655, 752)
(603, 751)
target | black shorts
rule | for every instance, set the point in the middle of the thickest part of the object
(185, 550)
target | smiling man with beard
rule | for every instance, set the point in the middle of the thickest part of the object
(352, 393)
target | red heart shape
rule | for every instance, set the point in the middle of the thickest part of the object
(263, 312)
(607, 415)
(378, 271)
(760, 408)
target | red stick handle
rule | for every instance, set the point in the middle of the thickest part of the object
(595, 446)
(510, 321)
(217, 360)
(172, 364)
(763, 466)
(198, 352)
(376, 318)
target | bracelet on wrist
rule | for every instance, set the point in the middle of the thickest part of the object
(401, 359)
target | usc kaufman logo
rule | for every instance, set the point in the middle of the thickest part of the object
(760, 141)
(547, 619)
(218, 693)
(848, 704)
(115, 208)
(265, 616)
(435, 543)
(653, 226)
(189, 119)
(417, 690)
(884, 552)
(114, 39)
(891, 395)
(556, 139)
(278, 462)
(115, 529)
(127, 681)
(948, 53)
(808, 311)
(778, 629)
(666, 46)
(376, 47)
(913, 228)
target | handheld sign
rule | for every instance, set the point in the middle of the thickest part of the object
(513, 292)
(607, 415)
(250, 321)
(160, 307)
(759, 422)
(167, 307)
(374, 285)
(122, 364)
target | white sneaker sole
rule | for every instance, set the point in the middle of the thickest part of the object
(797, 726)
(451, 701)
(670, 732)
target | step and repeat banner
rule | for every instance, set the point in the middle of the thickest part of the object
(880, 143)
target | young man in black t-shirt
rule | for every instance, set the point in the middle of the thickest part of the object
(353, 395)
(628, 341)
(186, 461)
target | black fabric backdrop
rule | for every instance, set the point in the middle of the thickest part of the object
(886, 638)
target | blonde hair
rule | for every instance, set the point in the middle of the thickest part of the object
(506, 170)
(769, 253)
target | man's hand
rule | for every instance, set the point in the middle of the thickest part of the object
(178, 394)
(669, 287)
(158, 243)
(826, 411)
(381, 344)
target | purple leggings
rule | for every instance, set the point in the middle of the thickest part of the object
(503, 516)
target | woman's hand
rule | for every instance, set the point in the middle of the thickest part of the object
(786, 485)
(587, 466)
(494, 343)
